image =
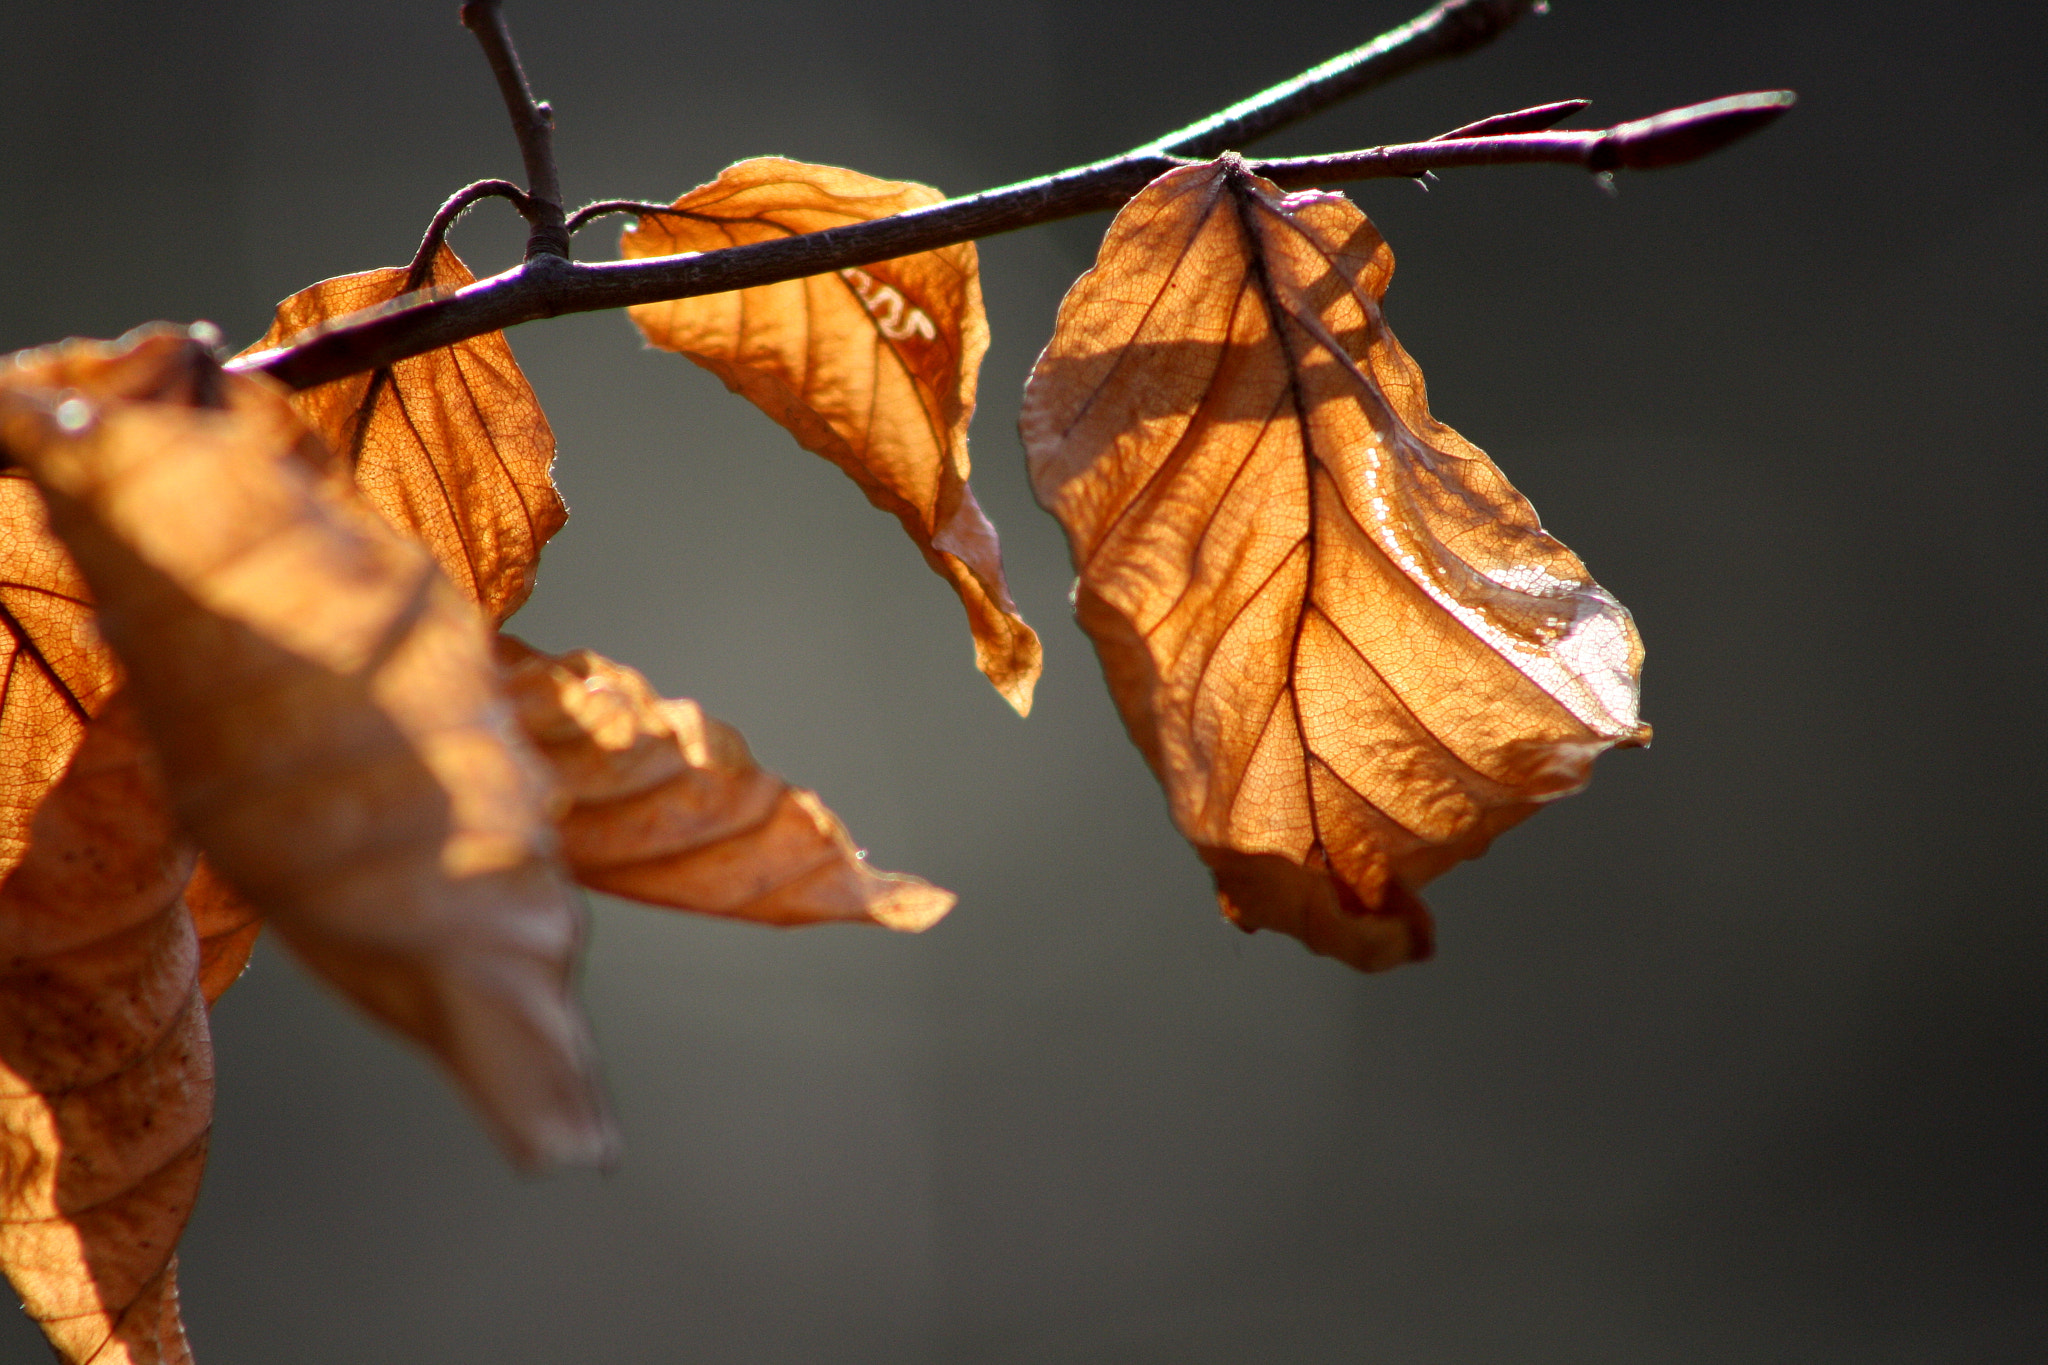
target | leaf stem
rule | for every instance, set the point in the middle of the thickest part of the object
(458, 204)
(548, 284)
(589, 213)
(533, 123)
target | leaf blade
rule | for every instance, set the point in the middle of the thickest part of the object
(451, 446)
(326, 711)
(226, 926)
(106, 1067)
(665, 805)
(873, 368)
(1341, 639)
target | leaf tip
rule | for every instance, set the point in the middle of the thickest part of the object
(586, 1140)
(1018, 690)
(1267, 891)
(911, 905)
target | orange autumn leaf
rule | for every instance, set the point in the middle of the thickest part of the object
(1341, 639)
(873, 368)
(227, 927)
(665, 805)
(326, 711)
(451, 446)
(56, 672)
(106, 1068)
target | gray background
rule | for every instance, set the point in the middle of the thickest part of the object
(1736, 1057)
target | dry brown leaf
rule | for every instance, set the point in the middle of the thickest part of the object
(451, 446)
(56, 671)
(326, 711)
(873, 368)
(665, 805)
(106, 1069)
(1343, 642)
(227, 927)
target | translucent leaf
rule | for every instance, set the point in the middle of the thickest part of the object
(106, 1068)
(1343, 642)
(873, 368)
(327, 714)
(451, 446)
(227, 928)
(666, 805)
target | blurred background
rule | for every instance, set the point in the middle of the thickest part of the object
(1737, 1056)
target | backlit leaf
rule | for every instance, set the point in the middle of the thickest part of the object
(55, 672)
(106, 1069)
(328, 719)
(227, 927)
(665, 805)
(451, 446)
(873, 368)
(1341, 639)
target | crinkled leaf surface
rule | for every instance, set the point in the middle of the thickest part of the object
(1342, 640)
(665, 805)
(106, 1068)
(451, 446)
(873, 368)
(327, 714)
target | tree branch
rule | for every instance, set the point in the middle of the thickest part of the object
(548, 284)
(533, 123)
(1449, 29)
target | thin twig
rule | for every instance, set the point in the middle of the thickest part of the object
(548, 284)
(1449, 29)
(533, 123)
(458, 204)
(377, 337)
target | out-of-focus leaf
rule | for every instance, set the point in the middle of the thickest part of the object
(451, 446)
(106, 1069)
(227, 927)
(873, 368)
(54, 670)
(1341, 639)
(326, 711)
(665, 805)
